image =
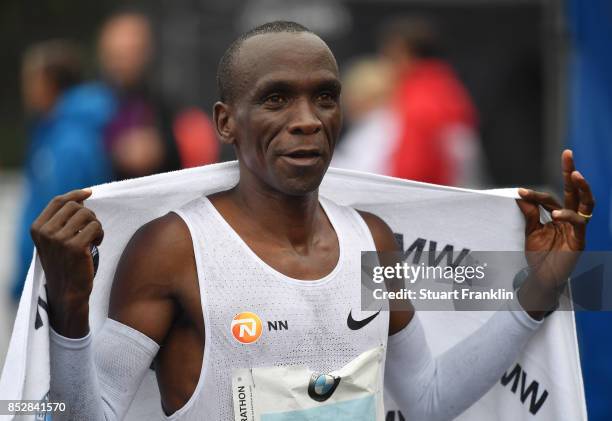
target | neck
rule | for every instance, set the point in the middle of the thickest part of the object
(286, 217)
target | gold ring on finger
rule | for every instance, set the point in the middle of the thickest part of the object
(587, 217)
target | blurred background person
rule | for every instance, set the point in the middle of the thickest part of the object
(146, 136)
(373, 128)
(438, 141)
(134, 138)
(66, 148)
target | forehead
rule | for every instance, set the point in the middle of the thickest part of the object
(283, 55)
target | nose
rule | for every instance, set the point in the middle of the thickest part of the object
(304, 120)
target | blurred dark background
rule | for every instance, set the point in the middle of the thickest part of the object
(504, 51)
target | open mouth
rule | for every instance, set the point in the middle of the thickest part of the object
(302, 157)
(303, 154)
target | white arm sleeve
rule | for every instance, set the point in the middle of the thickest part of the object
(99, 384)
(427, 388)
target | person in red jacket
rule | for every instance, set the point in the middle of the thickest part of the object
(438, 140)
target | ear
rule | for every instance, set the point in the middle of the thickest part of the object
(224, 122)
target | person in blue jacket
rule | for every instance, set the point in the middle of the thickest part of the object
(66, 148)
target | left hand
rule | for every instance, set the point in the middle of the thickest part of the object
(553, 248)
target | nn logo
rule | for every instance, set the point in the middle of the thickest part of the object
(278, 325)
(246, 327)
(434, 258)
(518, 375)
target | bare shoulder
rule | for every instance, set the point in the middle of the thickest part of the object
(381, 232)
(152, 268)
(157, 248)
(166, 236)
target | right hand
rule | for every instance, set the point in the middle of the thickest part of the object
(63, 234)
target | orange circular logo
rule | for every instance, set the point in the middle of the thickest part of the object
(246, 327)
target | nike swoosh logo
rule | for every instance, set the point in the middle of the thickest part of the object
(358, 324)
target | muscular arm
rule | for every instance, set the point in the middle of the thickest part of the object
(441, 388)
(99, 381)
(147, 277)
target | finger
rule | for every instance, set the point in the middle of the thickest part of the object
(570, 192)
(587, 202)
(566, 215)
(77, 222)
(546, 200)
(92, 233)
(532, 216)
(98, 240)
(62, 216)
(58, 202)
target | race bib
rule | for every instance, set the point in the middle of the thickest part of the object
(295, 393)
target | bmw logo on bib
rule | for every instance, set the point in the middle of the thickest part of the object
(322, 386)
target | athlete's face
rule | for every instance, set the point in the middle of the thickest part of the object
(286, 116)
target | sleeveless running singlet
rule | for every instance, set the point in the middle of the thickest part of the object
(255, 316)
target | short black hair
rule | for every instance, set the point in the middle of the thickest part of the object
(226, 78)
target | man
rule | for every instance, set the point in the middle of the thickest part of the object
(66, 150)
(268, 246)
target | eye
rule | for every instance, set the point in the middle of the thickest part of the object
(274, 100)
(327, 98)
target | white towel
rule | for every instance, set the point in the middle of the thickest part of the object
(546, 382)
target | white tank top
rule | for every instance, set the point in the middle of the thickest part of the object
(302, 322)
